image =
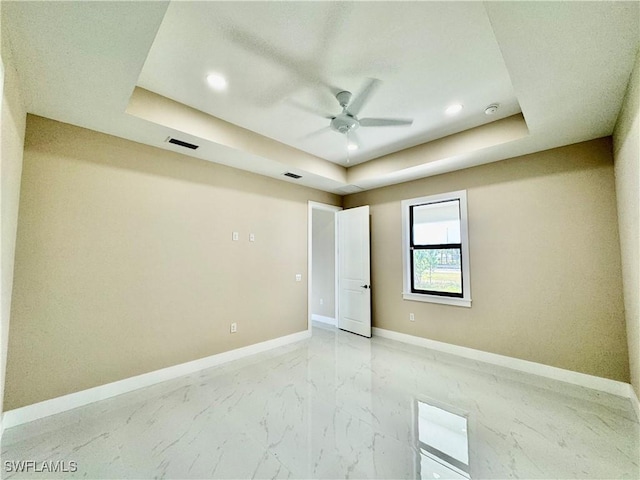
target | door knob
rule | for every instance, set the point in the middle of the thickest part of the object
(365, 286)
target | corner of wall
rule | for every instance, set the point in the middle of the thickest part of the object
(12, 134)
(629, 108)
(626, 151)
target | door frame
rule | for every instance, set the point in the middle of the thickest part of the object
(327, 208)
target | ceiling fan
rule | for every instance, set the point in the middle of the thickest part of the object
(347, 121)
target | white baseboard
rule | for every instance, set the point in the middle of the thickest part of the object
(614, 387)
(323, 319)
(634, 402)
(43, 409)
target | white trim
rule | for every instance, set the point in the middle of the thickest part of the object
(309, 262)
(46, 408)
(336, 267)
(460, 195)
(419, 297)
(614, 387)
(324, 206)
(323, 319)
(328, 208)
(634, 402)
(2, 320)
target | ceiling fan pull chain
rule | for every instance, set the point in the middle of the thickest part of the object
(348, 149)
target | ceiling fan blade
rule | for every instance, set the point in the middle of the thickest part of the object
(331, 88)
(306, 108)
(384, 122)
(315, 133)
(302, 71)
(363, 96)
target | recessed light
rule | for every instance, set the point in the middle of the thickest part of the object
(216, 81)
(453, 109)
(352, 146)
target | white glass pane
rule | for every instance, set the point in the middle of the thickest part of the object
(436, 223)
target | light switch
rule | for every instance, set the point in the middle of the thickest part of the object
(298, 277)
(235, 236)
(252, 237)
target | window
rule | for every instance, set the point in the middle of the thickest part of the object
(442, 442)
(436, 249)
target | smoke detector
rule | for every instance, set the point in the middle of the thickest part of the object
(491, 109)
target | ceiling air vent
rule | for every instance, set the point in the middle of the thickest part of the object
(175, 141)
(292, 175)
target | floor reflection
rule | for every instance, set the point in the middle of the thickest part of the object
(442, 442)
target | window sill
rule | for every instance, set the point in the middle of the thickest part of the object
(418, 297)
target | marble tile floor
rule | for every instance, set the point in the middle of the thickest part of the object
(340, 406)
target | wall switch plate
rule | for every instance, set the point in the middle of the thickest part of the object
(412, 317)
(298, 277)
(234, 327)
(252, 237)
(235, 236)
(321, 301)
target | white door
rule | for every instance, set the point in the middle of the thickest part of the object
(354, 276)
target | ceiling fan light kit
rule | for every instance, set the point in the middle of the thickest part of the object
(344, 122)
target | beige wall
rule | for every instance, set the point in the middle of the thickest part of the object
(125, 261)
(626, 139)
(545, 261)
(323, 264)
(12, 120)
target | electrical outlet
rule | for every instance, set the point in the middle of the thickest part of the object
(322, 301)
(235, 236)
(412, 317)
(298, 277)
(234, 327)
(252, 237)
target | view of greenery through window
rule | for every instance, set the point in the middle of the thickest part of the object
(438, 270)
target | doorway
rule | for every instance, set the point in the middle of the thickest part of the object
(323, 257)
(339, 287)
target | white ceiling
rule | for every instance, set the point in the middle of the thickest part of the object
(565, 64)
(277, 55)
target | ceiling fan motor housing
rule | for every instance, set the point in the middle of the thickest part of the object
(344, 122)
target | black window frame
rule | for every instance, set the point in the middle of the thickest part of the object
(451, 246)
